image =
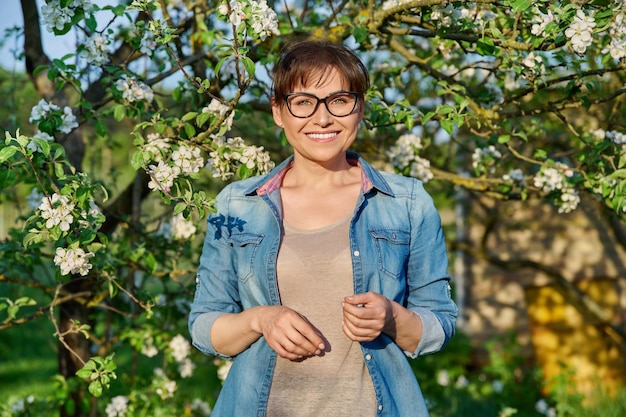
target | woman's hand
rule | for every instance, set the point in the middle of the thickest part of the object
(289, 333)
(367, 315)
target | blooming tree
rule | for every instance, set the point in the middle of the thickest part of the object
(514, 100)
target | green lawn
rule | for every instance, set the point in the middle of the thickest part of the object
(27, 360)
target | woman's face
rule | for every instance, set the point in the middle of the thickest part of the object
(321, 138)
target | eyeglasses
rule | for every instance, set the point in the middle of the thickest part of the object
(339, 104)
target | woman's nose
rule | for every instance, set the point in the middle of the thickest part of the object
(322, 116)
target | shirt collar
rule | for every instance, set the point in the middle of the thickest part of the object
(370, 178)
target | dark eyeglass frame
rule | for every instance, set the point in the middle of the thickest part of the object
(356, 95)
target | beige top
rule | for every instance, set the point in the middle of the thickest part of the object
(314, 275)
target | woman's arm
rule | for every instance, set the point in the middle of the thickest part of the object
(368, 315)
(287, 332)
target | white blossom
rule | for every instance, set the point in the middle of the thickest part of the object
(264, 20)
(41, 110)
(617, 138)
(57, 211)
(201, 407)
(580, 31)
(179, 347)
(91, 218)
(549, 179)
(69, 120)
(516, 176)
(540, 22)
(56, 17)
(182, 228)
(117, 407)
(261, 18)
(230, 153)
(44, 110)
(134, 90)
(96, 50)
(157, 146)
(148, 43)
(484, 159)
(617, 33)
(148, 349)
(569, 200)
(404, 153)
(73, 261)
(420, 169)
(223, 369)
(187, 159)
(166, 388)
(443, 378)
(219, 110)
(162, 176)
(186, 367)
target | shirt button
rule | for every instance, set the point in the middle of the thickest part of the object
(197, 280)
(368, 357)
(357, 253)
(380, 407)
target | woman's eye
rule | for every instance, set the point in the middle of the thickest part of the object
(303, 102)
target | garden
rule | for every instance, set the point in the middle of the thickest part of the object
(116, 144)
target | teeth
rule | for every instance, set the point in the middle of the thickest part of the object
(321, 135)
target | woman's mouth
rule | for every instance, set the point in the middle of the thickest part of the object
(323, 137)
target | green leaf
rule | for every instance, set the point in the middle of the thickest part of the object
(189, 116)
(447, 125)
(150, 262)
(520, 5)
(249, 66)
(91, 23)
(504, 138)
(179, 208)
(101, 128)
(202, 119)
(360, 34)
(95, 388)
(485, 46)
(6, 153)
(7, 178)
(43, 144)
(219, 64)
(190, 130)
(119, 112)
(540, 154)
(137, 160)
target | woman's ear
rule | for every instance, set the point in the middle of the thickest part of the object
(278, 119)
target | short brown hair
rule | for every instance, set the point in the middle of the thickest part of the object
(306, 63)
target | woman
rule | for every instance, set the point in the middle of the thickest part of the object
(319, 277)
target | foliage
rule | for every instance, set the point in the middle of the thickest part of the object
(512, 100)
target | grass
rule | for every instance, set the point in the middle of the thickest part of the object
(28, 361)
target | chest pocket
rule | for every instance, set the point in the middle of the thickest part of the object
(245, 247)
(392, 250)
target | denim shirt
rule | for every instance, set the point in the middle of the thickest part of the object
(397, 249)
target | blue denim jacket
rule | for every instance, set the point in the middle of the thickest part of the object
(398, 250)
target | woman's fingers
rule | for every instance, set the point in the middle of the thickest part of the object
(291, 335)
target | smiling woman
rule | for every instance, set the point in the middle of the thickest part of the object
(329, 272)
